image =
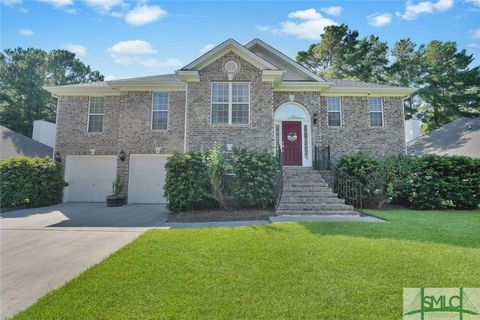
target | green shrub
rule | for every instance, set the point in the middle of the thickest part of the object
(30, 182)
(424, 182)
(441, 182)
(255, 172)
(187, 183)
(367, 170)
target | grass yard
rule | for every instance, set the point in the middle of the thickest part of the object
(279, 271)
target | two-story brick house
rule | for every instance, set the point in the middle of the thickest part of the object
(248, 96)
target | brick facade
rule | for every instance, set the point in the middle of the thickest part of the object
(127, 121)
(355, 133)
(256, 135)
(126, 126)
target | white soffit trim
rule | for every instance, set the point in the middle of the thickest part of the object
(224, 47)
(82, 91)
(188, 75)
(372, 92)
(147, 86)
(302, 86)
(284, 57)
(274, 76)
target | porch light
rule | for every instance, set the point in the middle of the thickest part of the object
(229, 146)
(315, 118)
(57, 156)
(158, 149)
(122, 156)
(92, 151)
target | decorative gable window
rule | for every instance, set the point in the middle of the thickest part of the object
(375, 108)
(95, 114)
(160, 111)
(230, 103)
(334, 111)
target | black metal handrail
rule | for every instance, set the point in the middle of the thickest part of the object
(278, 184)
(321, 159)
(348, 188)
(345, 186)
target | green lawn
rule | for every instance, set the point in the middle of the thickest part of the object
(279, 271)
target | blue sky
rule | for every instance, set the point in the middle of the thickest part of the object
(122, 38)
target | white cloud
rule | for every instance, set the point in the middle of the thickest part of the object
(103, 6)
(132, 47)
(307, 24)
(473, 46)
(144, 14)
(475, 33)
(110, 78)
(78, 49)
(207, 48)
(10, 2)
(25, 32)
(333, 11)
(135, 52)
(379, 19)
(58, 3)
(413, 10)
(474, 2)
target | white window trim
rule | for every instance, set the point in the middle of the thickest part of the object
(167, 111)
(95, 114)
(370, 112)
(341, 113)
(230, 104)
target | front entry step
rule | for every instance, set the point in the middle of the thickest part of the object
(305, 192)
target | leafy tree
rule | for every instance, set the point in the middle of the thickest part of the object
(23, 72)
(340, 54)
(450, 88)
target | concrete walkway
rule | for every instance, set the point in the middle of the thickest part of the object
(313, 218)
(43, 248)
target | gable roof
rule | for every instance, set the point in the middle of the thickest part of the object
(224, 47)
(460, 137)
(14, 144)
(282, 61)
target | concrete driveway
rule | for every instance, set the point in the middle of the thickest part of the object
(42, 248)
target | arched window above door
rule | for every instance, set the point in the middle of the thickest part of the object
(291, 111)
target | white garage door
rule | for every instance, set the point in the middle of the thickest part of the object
(146, 178)
(89, 178)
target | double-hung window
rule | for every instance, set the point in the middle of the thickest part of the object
(230, 103)
(334, 111)
(95, 114)
(160, 111)
(375, 108)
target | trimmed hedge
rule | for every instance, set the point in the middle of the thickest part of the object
(423, 182)
(30, 182)
(255, 173)
(188, 185)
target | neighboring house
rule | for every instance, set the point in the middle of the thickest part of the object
(14, 144)
(460, 137)
(248, 96)
(412, 129)
(44, 132)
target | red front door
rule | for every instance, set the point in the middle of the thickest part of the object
(292, 143)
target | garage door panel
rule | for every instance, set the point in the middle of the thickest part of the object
(89, 178)
(146, 178)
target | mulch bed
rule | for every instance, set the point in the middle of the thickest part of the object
(220, 215)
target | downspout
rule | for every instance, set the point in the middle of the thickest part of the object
(56, 125)
(403, 115)
(186, 117)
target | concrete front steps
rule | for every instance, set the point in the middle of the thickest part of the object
(305, 192)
